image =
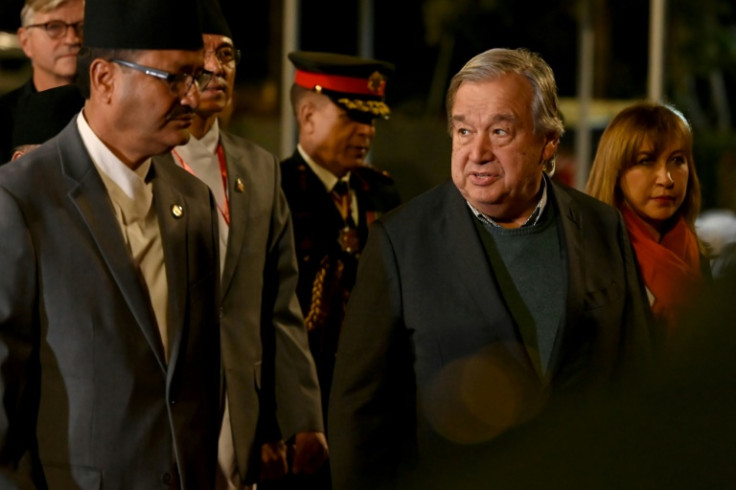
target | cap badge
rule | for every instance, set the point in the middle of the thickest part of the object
(376, 82)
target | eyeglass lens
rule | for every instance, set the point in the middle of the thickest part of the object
(181, 84)
(57, 28)
(226, 55)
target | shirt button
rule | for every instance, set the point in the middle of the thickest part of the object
(166, 478)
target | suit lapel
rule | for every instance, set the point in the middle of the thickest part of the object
(240, 191)
(319, 199)
(89, 196)
(173, 218)
(475, 272)
(571, 243)
(471, 262)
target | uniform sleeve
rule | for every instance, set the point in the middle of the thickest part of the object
(297, 395)
(372, 409)
(18, 356)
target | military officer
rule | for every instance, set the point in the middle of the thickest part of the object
(334, 194)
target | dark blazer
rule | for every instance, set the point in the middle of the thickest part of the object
(9, 104)
(427, 300)
(269, 371)
(317, 224)
(88, 399)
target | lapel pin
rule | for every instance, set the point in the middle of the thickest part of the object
(177, 210)
(239, 185)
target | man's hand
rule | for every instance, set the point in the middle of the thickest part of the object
(273, 460)
(310, 452)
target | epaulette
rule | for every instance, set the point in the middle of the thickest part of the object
(373, 175)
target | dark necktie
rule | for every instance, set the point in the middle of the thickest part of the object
(348, 235)
(341, 196)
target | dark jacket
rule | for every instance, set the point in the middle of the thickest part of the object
(88, 399)
(326, 272)
(9, 103)
(270, 375)
(429, 347)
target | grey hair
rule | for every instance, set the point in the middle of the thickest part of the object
(32, 7)
(496, 62)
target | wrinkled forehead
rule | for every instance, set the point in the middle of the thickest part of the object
(216, 41)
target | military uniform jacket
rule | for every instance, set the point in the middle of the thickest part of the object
(88, 399)
(427, 302)
(317, 224)
(269, 371)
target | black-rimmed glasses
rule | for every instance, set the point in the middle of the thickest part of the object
(180, 83)
(57, 28)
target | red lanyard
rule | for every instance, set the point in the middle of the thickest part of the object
(224, 211)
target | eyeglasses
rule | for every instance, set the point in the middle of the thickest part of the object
(225, 55)
(180, 83)
(57, 28)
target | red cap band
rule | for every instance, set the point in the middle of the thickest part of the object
(338, 83)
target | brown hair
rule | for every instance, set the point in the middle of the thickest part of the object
(657, 123)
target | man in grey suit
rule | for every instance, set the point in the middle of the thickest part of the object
(270, 378)
(109, 334)
(480, 301)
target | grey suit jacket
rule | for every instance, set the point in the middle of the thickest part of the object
(88, 399)
(427, 308)
(269, 372)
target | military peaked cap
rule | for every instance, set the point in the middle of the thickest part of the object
(357, 84)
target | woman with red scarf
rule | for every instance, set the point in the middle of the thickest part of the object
(644, 167)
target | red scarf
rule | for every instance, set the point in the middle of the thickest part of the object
(670, 267)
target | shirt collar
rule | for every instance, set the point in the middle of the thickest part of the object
(327, 178)
(199, 157)
(206, 145)
(533, 218)
(131, 182)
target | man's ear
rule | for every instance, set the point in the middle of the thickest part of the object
(25, 41)
(102, 79)
(550, 147)
(305, 116)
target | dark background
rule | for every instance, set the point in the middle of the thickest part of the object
(429, 40)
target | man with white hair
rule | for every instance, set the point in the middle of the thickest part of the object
(50, 36)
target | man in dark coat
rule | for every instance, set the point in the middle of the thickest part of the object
(334, 195)
(109, 333)
(42, 115)
(481, 299)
